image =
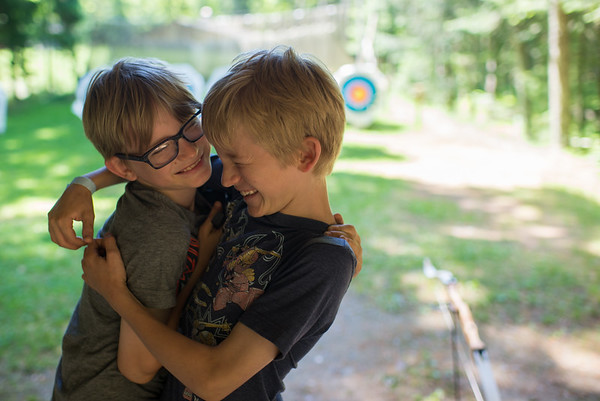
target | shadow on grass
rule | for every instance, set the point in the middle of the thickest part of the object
(383, 127)
(363, 152)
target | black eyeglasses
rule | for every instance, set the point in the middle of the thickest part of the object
(168, 149)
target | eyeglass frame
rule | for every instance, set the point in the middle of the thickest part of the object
(175, 138)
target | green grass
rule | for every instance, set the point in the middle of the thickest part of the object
(551, 282)
(42, 149)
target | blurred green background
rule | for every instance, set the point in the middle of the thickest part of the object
(435, 55)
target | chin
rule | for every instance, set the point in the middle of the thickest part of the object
(201, 178)
(255, 212)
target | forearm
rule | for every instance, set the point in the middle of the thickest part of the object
(134, 360)
(186, 359)
(212, 372)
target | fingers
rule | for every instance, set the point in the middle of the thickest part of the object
(103, 248)
(338, 218)
(110, 248)
(214, 220)
(216, 215)
(103, 268)
(347, 232)
(358, 268)
(62, 234)
(89, 254)
(87, 230)
(75, 204)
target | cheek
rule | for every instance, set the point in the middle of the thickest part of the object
(204, 144)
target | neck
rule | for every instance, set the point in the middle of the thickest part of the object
(185, 198)
(315, 204)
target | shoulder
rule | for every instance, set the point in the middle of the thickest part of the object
(331, 256)
(148, 222)
(144, 205)
(326, 243)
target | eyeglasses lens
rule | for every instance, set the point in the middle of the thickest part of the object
(164, 154)
(193, 130)
(167, 151)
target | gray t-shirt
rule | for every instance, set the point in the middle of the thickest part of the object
(153, 234)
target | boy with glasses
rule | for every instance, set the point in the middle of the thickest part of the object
(276, 282)
(135, 106)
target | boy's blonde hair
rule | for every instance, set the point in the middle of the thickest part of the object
(121, 102)
(281, 98)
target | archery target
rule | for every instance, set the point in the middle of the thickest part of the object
(361, 85)
(359, 93)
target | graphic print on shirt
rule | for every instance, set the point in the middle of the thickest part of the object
(243, 275)
(239, 276)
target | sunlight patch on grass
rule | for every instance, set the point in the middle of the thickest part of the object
(26, 183)
(592, 247)
(60, 170)
(105, 205)
(371, 153)
(472, 232)
(48, 134)
(27, 207)
(546, 231)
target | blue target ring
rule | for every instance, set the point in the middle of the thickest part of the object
(359, 93)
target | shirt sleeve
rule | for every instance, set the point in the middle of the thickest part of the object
(154, 253)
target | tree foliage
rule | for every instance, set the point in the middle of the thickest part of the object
(17, 22)
(468, 49)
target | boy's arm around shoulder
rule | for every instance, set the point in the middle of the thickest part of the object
(347, 232)
(212, 372)
(134, 360)
(152, 275)
(75, 204)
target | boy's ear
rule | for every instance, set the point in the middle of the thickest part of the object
(310, 152)
(119, 168)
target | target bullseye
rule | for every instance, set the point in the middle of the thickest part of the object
(359, 93)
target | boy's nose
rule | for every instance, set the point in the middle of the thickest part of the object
(230, 176)
(187, 149)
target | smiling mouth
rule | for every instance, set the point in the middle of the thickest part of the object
(190, 167)
(248, 193)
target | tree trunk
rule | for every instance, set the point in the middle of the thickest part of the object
(558, 74)
(521, 77)
(580, 68)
